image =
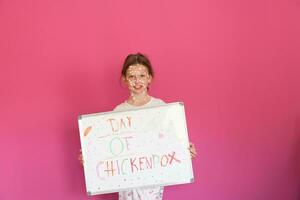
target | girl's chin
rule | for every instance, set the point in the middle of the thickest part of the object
(138, 91)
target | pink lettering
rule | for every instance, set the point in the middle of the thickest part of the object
(141, 162)
(172, 157)
(132, 164)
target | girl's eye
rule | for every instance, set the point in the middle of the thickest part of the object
(143, 75)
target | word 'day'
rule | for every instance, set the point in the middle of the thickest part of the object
(119, 124)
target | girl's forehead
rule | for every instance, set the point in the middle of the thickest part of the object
(137, 68)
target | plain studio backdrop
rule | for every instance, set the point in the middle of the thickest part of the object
(235, 65)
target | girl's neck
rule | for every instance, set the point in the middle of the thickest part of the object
(138, 99)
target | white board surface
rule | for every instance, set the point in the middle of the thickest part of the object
(136, 148)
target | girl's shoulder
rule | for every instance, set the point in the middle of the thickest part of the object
(121, 106)
(156, 101)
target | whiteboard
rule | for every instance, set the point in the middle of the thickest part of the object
(123, 150)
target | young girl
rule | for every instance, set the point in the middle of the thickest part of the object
(137, 74)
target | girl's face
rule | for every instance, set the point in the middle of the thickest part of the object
(137, 79)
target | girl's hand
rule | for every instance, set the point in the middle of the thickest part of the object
(80, 158)
(192, 150)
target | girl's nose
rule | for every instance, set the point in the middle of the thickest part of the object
(137, 79)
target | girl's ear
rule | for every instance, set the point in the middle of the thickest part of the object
(124, 80)
(150, 79)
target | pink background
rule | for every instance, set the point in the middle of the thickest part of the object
(235, 64)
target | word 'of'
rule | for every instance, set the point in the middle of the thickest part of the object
(132, 165)
(118, 144)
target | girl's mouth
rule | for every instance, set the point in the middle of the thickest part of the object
(138, 87)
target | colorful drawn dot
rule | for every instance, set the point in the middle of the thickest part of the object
(160, 135)
(87, 131)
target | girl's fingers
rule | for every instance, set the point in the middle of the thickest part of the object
(192, 150)
(80, 157)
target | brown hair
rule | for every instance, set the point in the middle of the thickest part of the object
(135, 59)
